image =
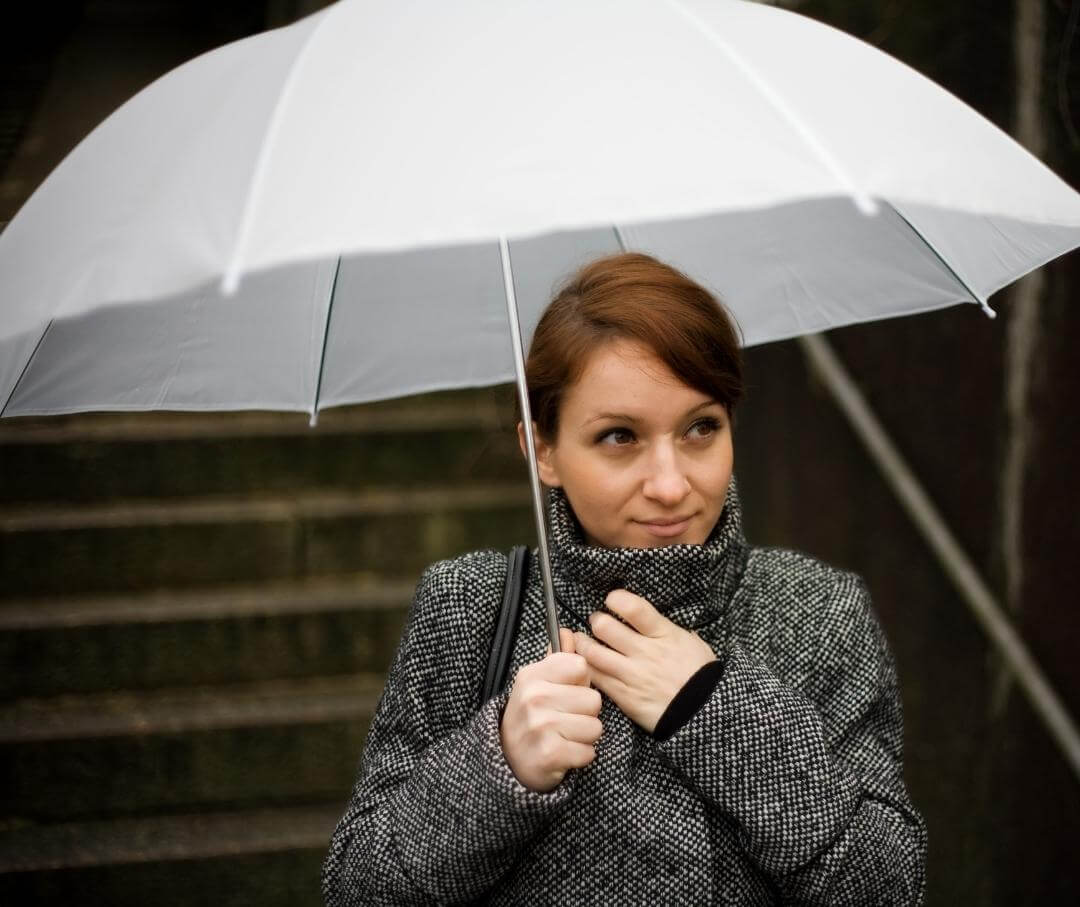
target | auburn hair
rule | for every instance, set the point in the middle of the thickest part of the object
(632, 296)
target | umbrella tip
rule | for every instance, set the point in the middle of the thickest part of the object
(987, 311)
(314, 420)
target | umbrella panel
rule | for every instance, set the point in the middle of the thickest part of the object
(428, 319)
(259, 349)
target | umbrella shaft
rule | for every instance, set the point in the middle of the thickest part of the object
(530, 448)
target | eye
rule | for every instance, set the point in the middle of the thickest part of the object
(615, 437)
(703, 428)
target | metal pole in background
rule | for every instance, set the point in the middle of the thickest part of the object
(959, 568)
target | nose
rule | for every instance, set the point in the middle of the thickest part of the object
(665, 482)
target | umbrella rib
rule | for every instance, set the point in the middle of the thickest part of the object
(325, 337)
(25, 368)
(864, 202)
(231, 278)
(978, 297)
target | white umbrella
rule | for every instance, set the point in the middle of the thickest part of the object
(361, 181)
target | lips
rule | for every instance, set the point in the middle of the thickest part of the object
(667, 527)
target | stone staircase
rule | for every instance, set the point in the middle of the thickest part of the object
(196, 618)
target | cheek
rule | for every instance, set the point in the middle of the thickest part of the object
(711, 475)
(593, 479)
(722, 470)
(600, 506)
(595, 487)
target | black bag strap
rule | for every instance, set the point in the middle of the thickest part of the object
(502, 645)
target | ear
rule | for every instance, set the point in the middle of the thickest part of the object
(545, 465)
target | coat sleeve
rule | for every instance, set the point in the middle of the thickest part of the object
(812, 771)
(436, 814)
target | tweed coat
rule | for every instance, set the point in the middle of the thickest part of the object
(785, 786)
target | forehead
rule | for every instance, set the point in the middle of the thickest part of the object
(624, 376)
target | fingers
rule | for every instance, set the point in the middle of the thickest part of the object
(551, 723)
(540, 741)
(578, 755)
(600, 657)
(580, 700)
(553, 684)
(614, 633)
(561, 667)
(636, 611)
(566, 640)
(580, 728)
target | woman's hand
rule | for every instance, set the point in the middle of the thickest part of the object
(642, 666)
(550, 722)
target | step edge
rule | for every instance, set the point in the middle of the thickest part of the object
(180, 426)
(306, 505)
(146, 713)
(216, 603)
(171, 838)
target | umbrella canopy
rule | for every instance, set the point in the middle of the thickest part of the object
(809, 179)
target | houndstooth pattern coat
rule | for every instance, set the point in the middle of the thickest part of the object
(785, 786)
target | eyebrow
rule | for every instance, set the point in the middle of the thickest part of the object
(626, 417)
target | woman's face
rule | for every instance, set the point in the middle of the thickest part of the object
(644, 459)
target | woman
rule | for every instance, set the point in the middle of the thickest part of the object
(723, 724)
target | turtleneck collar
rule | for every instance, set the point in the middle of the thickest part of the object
(690, 584)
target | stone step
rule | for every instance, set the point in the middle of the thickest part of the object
(227, 634)
(232, 747)
(142, 545)
(268, 857)
(151, 455)
(488, 407)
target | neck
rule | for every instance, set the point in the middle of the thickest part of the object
(690, 584)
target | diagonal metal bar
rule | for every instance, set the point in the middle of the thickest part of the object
(959, 568)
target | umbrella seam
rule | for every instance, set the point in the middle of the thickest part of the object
(231, 279)
(864, 202)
